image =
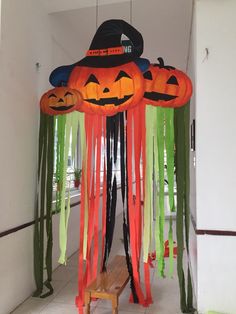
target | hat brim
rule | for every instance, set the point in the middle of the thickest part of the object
(106, 61)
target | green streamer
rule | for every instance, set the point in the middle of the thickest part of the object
(169, 144)
(160, 146)
(38, 250)
(187, 204)
(171, 248)
(61, 123)
(169, 141)
(49, 187)
(182, 179)
(44, 200)
(64, 213)
(67, 137)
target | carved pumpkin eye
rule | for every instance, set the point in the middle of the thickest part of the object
(122, 74)
(52, 96)
(92, 79)
(172, 80)
(147, 75)
(68, 94)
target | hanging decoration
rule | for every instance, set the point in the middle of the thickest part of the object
(166, 86)
(117, 99)
(107, 77)
(108, 91)
(60, 100)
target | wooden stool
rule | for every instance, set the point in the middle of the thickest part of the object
(109, 285)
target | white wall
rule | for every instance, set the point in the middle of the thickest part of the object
(215, 154)
(24, 42)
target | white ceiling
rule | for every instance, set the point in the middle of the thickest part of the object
(53, 6)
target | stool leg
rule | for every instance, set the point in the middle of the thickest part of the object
(115, 305)
(87, 300)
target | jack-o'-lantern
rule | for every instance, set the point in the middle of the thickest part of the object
(60, 100)
(107, 91)
(166, 86)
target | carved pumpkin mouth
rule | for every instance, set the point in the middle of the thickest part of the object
(107, 101)
(61, 108)
(158, 96)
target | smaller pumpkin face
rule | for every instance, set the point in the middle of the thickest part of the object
(166, 87)
(107, 91)
(60, 100)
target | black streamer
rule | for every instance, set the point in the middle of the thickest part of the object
(124, 186)
(112, 130)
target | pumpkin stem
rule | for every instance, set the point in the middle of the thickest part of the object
(162, 65)
(161, 62)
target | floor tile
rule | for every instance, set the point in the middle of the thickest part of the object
(30, 306)
(33, 304)
(67, 294)
(64, 273)
(73, 260)
(58, 308)
(61, 308)
(165, 295)
(100, 310)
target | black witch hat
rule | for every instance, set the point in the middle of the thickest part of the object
(106, 49)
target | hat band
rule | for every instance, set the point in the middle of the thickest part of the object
(105, 52)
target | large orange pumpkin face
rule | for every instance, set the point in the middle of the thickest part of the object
(166, 86)
(60, 100)
(107, 91)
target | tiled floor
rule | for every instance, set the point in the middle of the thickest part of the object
(165, 292)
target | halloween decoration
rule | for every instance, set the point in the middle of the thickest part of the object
(108, 91)
(60, 100)
(107, 78)
(116, 128)
(166, 86)
(106, 49)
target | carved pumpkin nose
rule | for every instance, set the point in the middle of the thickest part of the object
(60, 100)
(106, 90)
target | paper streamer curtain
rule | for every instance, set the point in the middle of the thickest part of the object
(108, 99)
